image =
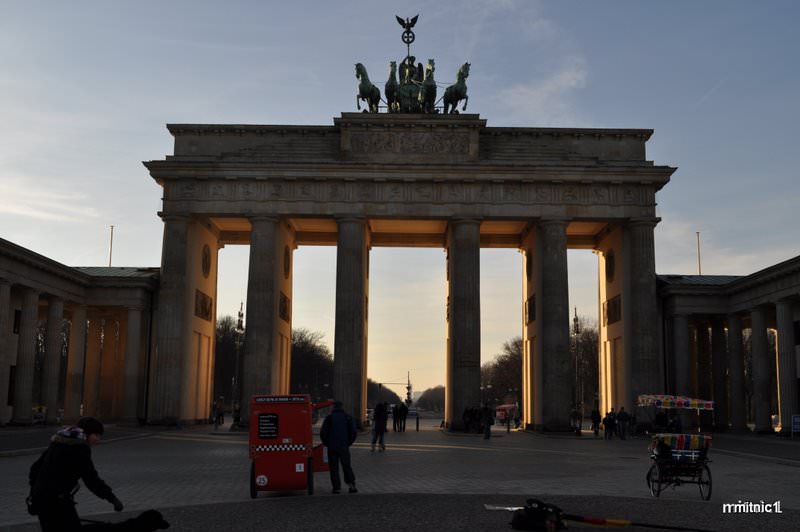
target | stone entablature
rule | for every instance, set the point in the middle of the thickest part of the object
(111, 286)
(730, 294)
(411, 166)
(25, 267)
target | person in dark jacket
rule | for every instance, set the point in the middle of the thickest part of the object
(380, 416)
(338, 433)
(53, 478)
(596, 421)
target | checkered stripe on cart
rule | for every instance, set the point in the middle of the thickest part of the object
(281, 447)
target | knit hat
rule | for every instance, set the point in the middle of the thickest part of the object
(90, 425)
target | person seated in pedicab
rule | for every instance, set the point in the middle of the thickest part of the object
(674, 424)
(662, 450)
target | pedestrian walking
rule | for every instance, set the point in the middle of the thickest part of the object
(610, 424)
(622, 422)
(403, 412)
(53, 478)
(379, 420)
(338, 433)
(219, 411)
(395, 418)
(487, 420)
(595, 415)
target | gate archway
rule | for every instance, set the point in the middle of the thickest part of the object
(423, 180)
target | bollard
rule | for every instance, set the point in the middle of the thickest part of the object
(417, 422)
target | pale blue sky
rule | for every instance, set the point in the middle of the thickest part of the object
(87, 87)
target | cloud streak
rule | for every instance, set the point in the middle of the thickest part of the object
(27, 198)
(548, 101)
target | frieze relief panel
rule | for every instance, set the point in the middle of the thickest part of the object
(409, 142)
(499, 192)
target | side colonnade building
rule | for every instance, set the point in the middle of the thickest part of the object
(73, 341)
(708, 319)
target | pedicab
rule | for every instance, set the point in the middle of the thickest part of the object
(282, 452)
(678, 458)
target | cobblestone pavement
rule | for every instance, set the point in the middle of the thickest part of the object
(199, 479)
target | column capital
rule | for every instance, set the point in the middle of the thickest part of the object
(464, 220)
(350, 219)
(554, 221)
(263, 218)
(30, 291)
(174, 217)
(652, 222)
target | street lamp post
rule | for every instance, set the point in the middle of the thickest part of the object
(485, 389)
(237, 338)
(576, 330)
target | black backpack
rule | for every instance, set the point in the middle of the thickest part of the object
(537, 515)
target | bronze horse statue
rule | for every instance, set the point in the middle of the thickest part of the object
(427, 90)
(457, 91)
(391, 88)
(366, 90)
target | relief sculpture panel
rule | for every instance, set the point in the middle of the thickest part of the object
(408, 142)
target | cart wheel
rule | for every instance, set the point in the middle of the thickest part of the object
(253, 492)
(704, 482)
(310, 474)
(654, 480)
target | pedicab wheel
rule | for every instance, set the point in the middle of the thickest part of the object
(654, 480)
(310, 473)
(704, 482)
(253, 492)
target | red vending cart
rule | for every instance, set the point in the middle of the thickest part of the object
(282, 452)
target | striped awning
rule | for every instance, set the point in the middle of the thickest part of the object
(674, 401)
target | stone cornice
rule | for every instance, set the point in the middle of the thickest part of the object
(183, 170)
(767, 275)
(40, 262)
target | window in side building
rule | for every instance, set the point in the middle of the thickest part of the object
(17, 318)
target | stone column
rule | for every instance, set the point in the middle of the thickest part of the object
(719, 371)
(738, 414)
(130, 386)
(52, 357)
(93, 366)
(73, 395)
(681, 354)
(463, 379)
(642, 336)
(557, 369)
(26, 358)
(703, 361)
(166, 372)
(787, 364)
(761, 388)
(261, 312)
(350, 334)
(704, 418)
(5, 355)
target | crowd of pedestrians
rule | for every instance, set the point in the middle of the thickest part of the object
(613, 423)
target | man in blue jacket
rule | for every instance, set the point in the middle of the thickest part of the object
(338, 433)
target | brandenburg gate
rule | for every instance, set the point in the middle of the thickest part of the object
(408, 179)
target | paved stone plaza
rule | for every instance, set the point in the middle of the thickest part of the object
(198, 479)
